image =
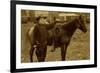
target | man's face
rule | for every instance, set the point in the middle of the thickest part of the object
(43, 21)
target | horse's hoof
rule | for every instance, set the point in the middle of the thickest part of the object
(31, 60)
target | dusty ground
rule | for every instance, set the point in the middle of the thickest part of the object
(79, 48)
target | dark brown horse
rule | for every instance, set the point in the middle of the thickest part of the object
(63, 35)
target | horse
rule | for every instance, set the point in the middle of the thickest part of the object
(38, 37)
(65, 32)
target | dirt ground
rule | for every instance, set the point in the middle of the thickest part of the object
(79, 48)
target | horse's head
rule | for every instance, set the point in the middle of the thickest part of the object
(81, 25)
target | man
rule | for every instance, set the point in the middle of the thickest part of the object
(40, 36)
(40, 29)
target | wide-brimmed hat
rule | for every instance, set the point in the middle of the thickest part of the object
(38, 18)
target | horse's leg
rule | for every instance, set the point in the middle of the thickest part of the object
(31, 53)
(63, 52)
(41, 53)
(54, 47)
(38, 53)
(44, 53)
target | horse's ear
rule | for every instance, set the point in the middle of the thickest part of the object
(80, 16)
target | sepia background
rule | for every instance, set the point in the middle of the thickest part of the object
(79, 48)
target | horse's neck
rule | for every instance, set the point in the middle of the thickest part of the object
(70, 27)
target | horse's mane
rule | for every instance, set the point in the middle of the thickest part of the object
(69, 23)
